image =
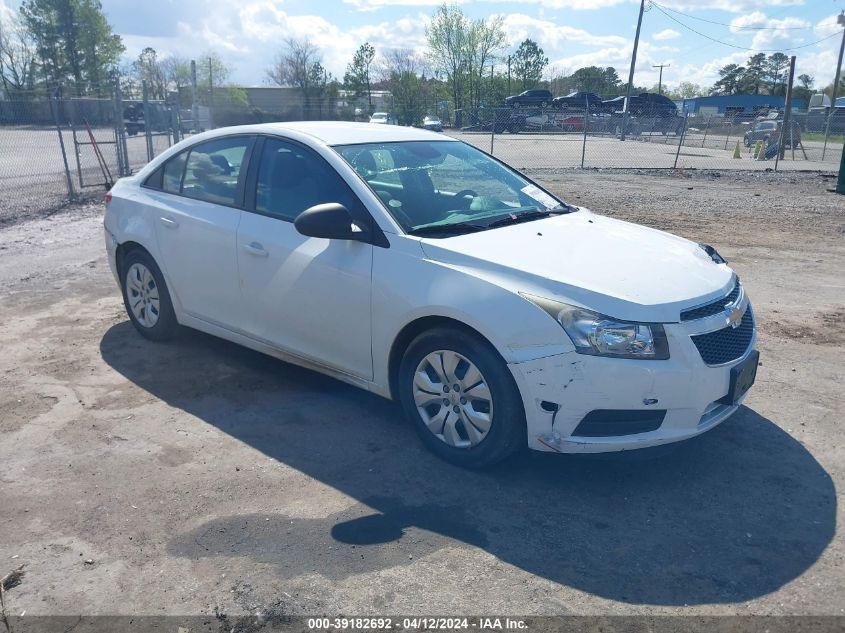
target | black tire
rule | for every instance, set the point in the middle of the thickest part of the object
(507, 432)
(166, 325)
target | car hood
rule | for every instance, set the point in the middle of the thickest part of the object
(624, 270)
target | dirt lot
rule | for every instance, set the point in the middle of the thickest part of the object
(198, 477)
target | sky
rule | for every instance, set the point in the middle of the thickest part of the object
(248, 34)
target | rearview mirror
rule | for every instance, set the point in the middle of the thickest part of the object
(331, 221)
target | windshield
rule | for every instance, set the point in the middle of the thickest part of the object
(446, 184)
(378, 115)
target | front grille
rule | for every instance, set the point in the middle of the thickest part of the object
(727, 344)
(709, 309)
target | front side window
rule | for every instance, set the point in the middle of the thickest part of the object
(292, 179)
(445, 185)
(213, 168)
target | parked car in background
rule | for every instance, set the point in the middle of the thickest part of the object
(645, 104)
(652, 104)
(571, 124)
(577, 101)
(536, 98)
(384, 118)
(816, 120)
(617, 105)
(769, 129)
(417, 267)
(433, 123)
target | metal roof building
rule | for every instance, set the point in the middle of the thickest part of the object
(735, 104)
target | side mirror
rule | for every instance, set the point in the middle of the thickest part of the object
(330, 221)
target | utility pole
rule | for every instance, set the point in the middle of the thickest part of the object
(660, 81)
(210, 85)
(631, 73)
(509, 73)
(194, 106)
(786, 128)
(840, 20)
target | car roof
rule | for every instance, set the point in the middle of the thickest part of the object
(336, 132)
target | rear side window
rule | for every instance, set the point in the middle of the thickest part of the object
(292, 179)
(173, 170)
(213, 168)
(153, 181)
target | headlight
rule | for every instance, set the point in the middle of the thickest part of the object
(599, 335)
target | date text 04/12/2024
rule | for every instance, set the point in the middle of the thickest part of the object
(417, 623)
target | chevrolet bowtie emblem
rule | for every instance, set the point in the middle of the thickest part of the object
(734, 315)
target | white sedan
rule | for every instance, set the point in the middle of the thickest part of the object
(421, 269)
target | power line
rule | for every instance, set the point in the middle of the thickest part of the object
(744, 48)
(738, 28)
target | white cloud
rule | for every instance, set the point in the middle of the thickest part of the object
(371, 5)
(828, 26)
(552, 36)
(731, 6)
(666, 34)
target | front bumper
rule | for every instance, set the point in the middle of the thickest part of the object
(559, 391)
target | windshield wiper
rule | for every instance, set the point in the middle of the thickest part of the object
(526, 216)
(456, 228)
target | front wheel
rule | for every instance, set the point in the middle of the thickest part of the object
(462, 399)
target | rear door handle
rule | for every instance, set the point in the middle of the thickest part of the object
(169, 222)
(256, 249)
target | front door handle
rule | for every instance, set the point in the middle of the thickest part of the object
(256, 249)
(169, 222)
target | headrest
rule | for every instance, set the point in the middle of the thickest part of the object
(288, 170)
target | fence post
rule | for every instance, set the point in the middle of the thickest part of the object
(120, 132)
(147, 131)
(586, 119)
(680, 141)
(493, 129)
(194, 107)
(175, 126)
(55, 107)
(706, 127)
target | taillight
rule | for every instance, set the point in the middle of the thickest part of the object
(108, 198)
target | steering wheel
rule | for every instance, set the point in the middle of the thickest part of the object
(463, 195)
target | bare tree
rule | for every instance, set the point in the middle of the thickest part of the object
(294, 65)
(177, 72)
(401, 69)
(448, 41)
(17, 57)
(486, 40)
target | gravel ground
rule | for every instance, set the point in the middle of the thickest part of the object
(199, 478)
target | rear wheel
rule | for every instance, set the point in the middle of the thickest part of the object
(462, 399)
(146, 297)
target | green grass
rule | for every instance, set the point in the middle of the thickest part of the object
(819, 136)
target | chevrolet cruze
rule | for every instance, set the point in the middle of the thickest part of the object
(419, 268)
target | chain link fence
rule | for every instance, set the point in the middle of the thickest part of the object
(558, 138)
(57, 148)
(60, 147)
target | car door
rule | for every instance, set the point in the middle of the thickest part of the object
(196, 215)
(307, 296)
